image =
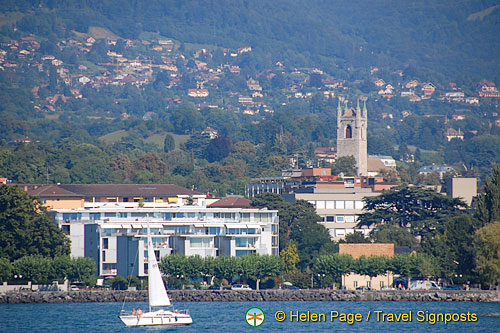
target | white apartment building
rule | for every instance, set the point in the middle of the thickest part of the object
(114, 233)
(338, 207)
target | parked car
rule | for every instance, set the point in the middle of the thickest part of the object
(424, 285)
(292, 287)
(363, 288)
(214, 287)
(452, 287)
(240, 287)
(74, 288)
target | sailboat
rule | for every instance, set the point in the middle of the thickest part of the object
(157, 298)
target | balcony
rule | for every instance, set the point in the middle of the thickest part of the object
(109, 272)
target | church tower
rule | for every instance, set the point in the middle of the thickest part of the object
(351, 135)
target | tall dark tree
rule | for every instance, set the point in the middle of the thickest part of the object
(423, 211)
(168, 143)
(218, 149)
(488, 204)
(26, 228)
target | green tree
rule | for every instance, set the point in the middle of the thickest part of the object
(488, 204)
(393, 234)
(82, 270)
(346, 165)
(355, 237)
(61, 265)
(290, 256)
(226, 268)
(427, 265)
(422, 211)
(34, 268)
(487, 245)
(168, 143)
(26, 228)
(334, 265)
(259, 267)
(377, 265)
(457, 256)
(6, 270)
(405, 265)
(119, 283)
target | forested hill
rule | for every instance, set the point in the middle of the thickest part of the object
(442, 38)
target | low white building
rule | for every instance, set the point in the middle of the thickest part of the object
(114, 233)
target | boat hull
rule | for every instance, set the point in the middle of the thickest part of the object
(157, 318)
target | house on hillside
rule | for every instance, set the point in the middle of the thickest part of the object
(488, 89)
(253, 85)
(428, 89)
(451, 134)
(412, 84)
(198, 92)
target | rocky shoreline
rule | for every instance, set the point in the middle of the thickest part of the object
(251, 296)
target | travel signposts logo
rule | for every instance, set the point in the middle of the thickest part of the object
(255, 317)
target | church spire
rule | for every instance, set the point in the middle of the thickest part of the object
(357, 106)
(364, 108)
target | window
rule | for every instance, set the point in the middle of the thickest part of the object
(123, 215)
(65, 229)
(340, 218)
(340, 232)
(330, 204)
(103, 255)
(349, 218)
(355, 284)
(381, 284)
(330, 219)
(245, 242)
(72, 216)
(339, 204)
(95, 216)
(200, 243)
(369, 284)
(348, 132)
(262, 217)
(110, 214)
(240, 253)
(245, 217)
(105, 243)
(349, 204)
(358, 204)
(320, 204)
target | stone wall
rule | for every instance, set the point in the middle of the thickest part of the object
(250, 296)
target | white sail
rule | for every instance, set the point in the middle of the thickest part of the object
(157, 293)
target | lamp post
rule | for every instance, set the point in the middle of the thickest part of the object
(320, 276)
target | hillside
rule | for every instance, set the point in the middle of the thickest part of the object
(441, 37)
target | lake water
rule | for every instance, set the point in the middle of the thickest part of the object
(230, 317)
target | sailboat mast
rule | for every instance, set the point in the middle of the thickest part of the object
(150, 243)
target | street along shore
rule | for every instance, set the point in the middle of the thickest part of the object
(16, 297)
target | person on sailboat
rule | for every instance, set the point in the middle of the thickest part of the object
(139, 313)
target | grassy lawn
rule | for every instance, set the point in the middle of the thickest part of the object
(113, 137)
(156, 139)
